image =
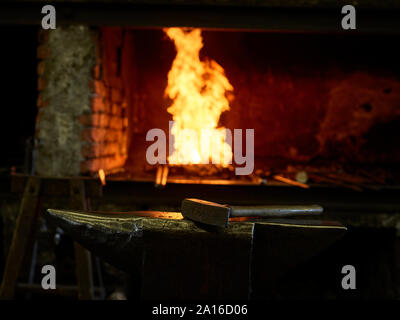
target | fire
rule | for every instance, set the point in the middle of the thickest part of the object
(198, 90)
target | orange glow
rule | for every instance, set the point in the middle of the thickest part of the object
(198, 90)
(102, 177)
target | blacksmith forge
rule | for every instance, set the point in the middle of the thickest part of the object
(80, 190)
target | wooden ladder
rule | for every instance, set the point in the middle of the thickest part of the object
(24, 233)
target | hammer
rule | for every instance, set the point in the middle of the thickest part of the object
(218, 214)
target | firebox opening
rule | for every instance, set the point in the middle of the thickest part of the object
(315, 102)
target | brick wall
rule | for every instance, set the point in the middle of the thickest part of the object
(104, 133)
(82, 121)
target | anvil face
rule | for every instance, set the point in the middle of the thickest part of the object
(185, 261)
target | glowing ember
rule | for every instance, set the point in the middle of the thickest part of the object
(102, 177)
(197, 89)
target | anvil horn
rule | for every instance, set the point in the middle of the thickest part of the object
(116, 237)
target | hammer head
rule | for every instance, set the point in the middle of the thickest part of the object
(206, 212)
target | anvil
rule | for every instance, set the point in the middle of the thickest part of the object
(177, 259)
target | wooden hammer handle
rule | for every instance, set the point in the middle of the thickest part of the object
(275, 211)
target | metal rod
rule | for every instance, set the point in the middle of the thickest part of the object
(276, 210)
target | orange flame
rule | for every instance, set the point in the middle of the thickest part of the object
(197, 89)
